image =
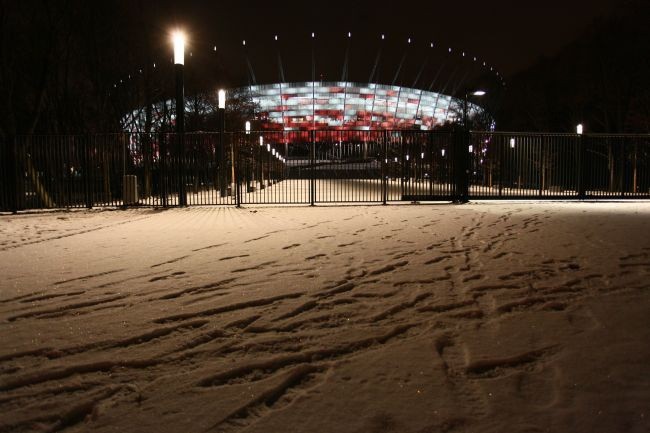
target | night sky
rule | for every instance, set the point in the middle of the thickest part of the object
(509, 35)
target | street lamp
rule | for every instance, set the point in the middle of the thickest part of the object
(178, 41)
(248, 127)
(221, 118)
(579, 129)
(463, 166)
(468, 94)
(260, 163)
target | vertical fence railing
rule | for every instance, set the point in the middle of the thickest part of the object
(311, 167)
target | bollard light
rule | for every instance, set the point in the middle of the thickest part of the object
(247, 125)
(178, 39)
(579, 129)
(222, 99)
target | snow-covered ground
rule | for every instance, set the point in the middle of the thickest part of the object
(521, 317)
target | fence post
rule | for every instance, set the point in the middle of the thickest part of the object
(312, 180)
(236, 145)
(542, 165)
(87, 172)
(621, 157)
(384, 176)
(461, 140)
(222, 154)
(12, 174)
(582, 160)
(430, 142)
(501, 145)
(162, 155)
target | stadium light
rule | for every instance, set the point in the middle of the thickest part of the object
(178, 40)
(579, 129)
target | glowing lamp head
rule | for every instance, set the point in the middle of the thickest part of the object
(261, 141)
(222, 98)
(273, 152)
(512, 143)
(178, 40)
(479, 93)
(268, 147)
(247, 125)
(579, 129)
(471, 149)
(442, 152)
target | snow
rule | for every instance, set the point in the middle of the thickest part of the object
(408, 318)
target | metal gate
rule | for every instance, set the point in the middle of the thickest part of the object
(312, 167)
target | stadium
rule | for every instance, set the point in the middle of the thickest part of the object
(406, 87)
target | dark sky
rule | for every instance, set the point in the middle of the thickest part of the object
(509, 35)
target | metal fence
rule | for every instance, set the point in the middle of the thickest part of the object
(310, 167)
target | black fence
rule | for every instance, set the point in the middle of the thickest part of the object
(310, 167)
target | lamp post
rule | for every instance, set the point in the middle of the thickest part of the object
(261, 163)
(178, 40)
(582, 159)
(462, 158)
(222, 155)
(250, 173)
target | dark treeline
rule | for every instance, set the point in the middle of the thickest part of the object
(75, 66)
(601, 80)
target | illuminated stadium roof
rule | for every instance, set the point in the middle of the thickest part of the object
(356, 106)
(332, 106)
